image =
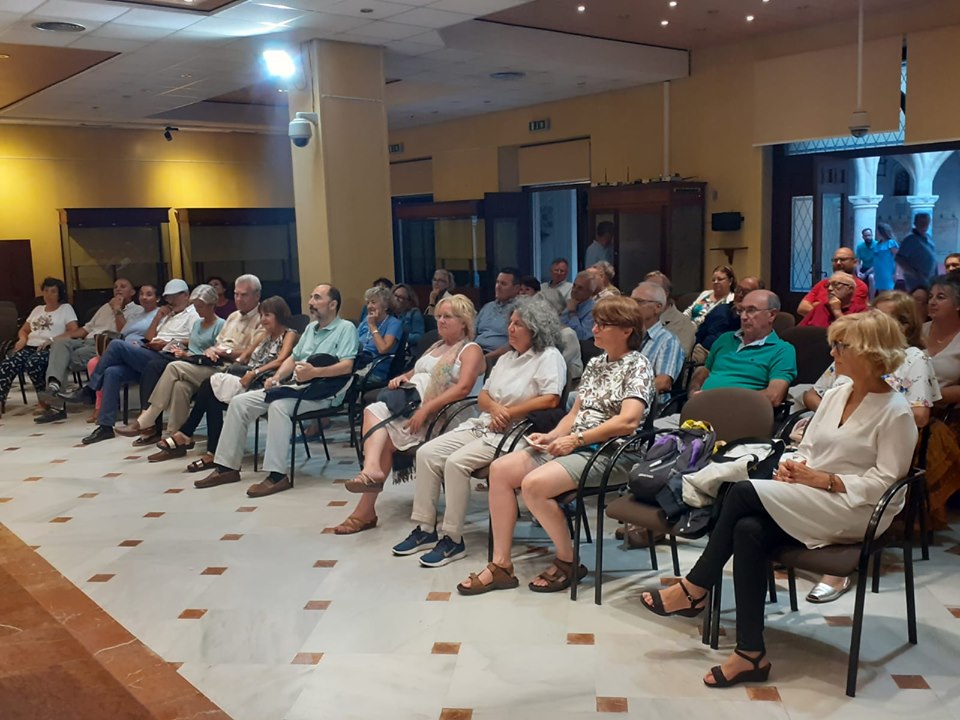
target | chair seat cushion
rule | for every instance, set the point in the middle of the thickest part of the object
(840, 560)
(627, 509)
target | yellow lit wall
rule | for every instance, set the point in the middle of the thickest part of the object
(46, 168)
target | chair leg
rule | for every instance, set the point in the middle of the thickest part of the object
(490, 539)
(582, 509)
(598, 568)
(567, 516)
(771, 583)
(707, 620)
(256, 443)
(126, 404)
(293, 446)
(926, 535)
(792, 585)
(908, 588)
(716, 597)
(877, 558)
(853, 661)
(323, 439)
(652, 547)
(674, 555)
(574, 580)
(23, 388)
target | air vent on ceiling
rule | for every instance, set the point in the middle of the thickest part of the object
(58, 26)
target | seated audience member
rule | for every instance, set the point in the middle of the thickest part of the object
(942, 337)
(921, 298)
(132, 332)
(914, 378)
(578, 315)
(604, 273)
(844, 261)
(671, 318)
(493, 318)
(80, 345)
(530, 376)
(380, 282)
(754, 357)
(271, 346)
(557, 291)
(529, 286)
(614, 395)
(444, 285)
(328, 334)
(723, 318)
(859, 443)
(724, 283)
(406, 307)
(225, 305)
(446, 372)
(951, 263)
(181, 379)
(46, 324)
(379, 332)
(125, 362)
(840, 290)
(660, 347)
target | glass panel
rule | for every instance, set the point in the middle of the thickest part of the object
(801, 243)
(461, 248)
(554, 229)
(506, 249)
(639, 238)
(686, 249)
(101, 254)
(416, 247)
(831, 211)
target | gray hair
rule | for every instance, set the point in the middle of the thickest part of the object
(606, 268)
(541, 319)
(381, 295)
(451, 280)
(655, 290)
(590, 279)
(773, 302)
(251, 280)
(204, 293)
(660, 279)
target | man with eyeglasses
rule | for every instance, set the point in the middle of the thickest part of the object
(753, 357)
(660, 347)
(841, 288)
(845, 261)
(723, 318)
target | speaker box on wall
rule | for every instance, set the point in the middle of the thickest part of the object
(726, 221)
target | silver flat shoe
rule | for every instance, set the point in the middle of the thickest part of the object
(824, 592)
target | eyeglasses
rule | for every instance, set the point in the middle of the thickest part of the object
(842, 259)
(841, 285)
(838, 347)
(641, 301)
(751, 311)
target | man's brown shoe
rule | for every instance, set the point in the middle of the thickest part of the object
(268, 487)
(218, 477)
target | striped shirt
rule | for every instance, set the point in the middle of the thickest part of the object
(663, 350)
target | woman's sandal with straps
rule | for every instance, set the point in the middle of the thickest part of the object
(352, 525)
(363, 483)
(501, 578)
(757, 674)
(656, 604)
(558, 577)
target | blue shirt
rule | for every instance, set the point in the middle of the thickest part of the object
(663, 351)
(492, 321)
(721, 319)
(597, 252)
(390, 325)
(864, 254)
(202, 338)
(580, 320)
(413, 323)
(884, 265)
(135, 330)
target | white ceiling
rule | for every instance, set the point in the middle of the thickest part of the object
(171, 61)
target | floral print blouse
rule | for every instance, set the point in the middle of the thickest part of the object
(702, 306)
(606, 384)
(915, 379)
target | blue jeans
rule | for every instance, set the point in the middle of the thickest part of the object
(121, 363)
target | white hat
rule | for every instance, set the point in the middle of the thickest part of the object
(175, 286)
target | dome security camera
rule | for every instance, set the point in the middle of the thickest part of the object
(859, 124)
(300, 129)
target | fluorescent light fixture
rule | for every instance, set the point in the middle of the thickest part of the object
(279, 63)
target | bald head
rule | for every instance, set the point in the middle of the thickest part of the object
(844, 260)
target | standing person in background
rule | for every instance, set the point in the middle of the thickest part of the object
(917, 256)
(864, 253)
(557, 291)
(444, 286)
(225, 304)
(884, 258)
(602, 246)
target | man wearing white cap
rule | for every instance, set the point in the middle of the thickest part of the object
(123, 362)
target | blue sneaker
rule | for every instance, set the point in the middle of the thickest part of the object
(445, 552)
(417, 541)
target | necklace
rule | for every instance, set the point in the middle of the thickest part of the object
(940, 342)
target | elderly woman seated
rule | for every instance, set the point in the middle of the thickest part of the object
(446, 372)
(613, 396)
(379, 331)
(530, 376)
(858, 444)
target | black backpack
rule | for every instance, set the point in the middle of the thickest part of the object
(684, 450)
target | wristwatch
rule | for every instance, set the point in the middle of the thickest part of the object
(830, 482)
(579, 435)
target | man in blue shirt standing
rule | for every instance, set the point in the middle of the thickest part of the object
(494, 317)
(602, 246)
(578, 315)
(917, 256)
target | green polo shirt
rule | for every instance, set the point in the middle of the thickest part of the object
(753, 366)
(339, 339)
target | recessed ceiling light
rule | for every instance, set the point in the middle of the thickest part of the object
(188, 2)
(508, 75)
(4, 56)
(279, 63)
(672, 3)
(664, 23)
(186, 75)
(749, 18)
(581, 8)
(58, 26)
(281, 90)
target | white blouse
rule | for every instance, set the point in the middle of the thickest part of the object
(915, 379)
(46, 325)
(869, 452)
(946, 363)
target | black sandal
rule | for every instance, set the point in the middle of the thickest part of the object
(758, 674)
(656, 604)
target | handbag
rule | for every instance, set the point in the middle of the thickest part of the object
(103, 339)
(225, 386)
(401, 400)
(318, 389)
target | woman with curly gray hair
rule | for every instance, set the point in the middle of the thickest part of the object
(380, 330)
(529, 376)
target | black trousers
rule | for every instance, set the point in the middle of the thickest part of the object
(206, 403)
(746, 531)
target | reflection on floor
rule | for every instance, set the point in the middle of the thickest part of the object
(271, 616)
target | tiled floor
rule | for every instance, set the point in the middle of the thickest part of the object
(271, 618)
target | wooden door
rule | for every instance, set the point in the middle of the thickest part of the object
(16, 259)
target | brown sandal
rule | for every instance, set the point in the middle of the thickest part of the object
(363, 483)
(353, 525)
(502, 578)
(557, 577)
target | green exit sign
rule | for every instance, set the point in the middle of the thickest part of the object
(539, 125)
(396, 148)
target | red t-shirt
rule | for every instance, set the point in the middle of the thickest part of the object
(819, 294)
(821, 316)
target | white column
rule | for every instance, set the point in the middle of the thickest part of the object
(865, 175)
(864, 214)
(922, 204)
(923, 168)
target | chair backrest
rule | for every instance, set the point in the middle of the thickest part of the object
(425, 341)
(734, 413)
(588, 351)
(429, 323)
(9, 320)
(299, 323)
(399, 361)
(783, 321)
(813, 352)
(686, 300)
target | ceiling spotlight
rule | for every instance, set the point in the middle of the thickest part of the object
(749, 18)
(279, 63)
(581, 8)
(168, 132)
(672, 3)
(664, 23)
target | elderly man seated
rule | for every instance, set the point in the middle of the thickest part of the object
(578, 314)
(604, 273)
(845, 261)
(660, 347)
(840, 288)
(181, 379)
(329, 335)
(494, 317)
(75, 351)
(753, 357)
(671, 318)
